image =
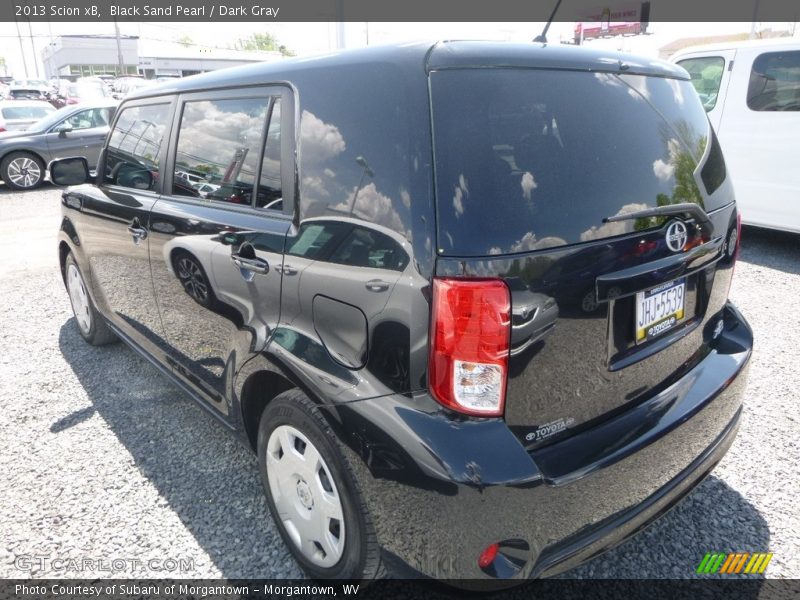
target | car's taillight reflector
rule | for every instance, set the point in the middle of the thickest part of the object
(469, 343)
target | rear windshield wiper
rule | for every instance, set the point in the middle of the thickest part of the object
(684, 208)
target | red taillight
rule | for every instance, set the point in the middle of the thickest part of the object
(488, 555)
(72, 100)
(2, 129)
(469, 343)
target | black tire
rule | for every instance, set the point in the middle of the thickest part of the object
(90, 323)
(361, 557)
(13, 167)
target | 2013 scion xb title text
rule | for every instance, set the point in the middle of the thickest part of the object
(209, 11)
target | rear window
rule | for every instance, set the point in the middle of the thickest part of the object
(27, 112)
(532, 159)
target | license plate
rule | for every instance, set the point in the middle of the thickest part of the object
(659, 309)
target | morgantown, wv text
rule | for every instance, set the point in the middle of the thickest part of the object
(181, 590)
(179, 10)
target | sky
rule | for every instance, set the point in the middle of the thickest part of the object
(314, 38)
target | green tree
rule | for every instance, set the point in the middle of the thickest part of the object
(263, 42)
(185, 41)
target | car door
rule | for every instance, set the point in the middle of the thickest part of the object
(80, 134)
(216, 260)
(339, 274)
(115, 220)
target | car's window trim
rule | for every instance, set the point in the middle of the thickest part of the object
(169, 101)
(288, 145)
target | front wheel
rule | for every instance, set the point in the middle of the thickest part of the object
(312, 495)
(22, 171)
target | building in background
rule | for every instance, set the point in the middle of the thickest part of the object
(85, 55)
(73, 56)
(178, 61)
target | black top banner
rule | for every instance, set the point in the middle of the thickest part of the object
(399, 10)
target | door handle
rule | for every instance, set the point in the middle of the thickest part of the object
(376, 285)
(255, 265)
(138, 233)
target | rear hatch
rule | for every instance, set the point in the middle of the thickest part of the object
(529, 164)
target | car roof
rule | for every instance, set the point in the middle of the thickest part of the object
(101, 103)
(780, 43)
(428, 56)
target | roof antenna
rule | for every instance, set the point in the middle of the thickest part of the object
(542, 37)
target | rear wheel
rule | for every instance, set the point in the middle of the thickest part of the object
(91, 324)
(22, 171)
(312, 495)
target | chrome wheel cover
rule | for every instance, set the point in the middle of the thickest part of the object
(305, 496)
(79, 299)
(24, 172)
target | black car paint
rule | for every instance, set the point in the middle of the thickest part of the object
(441, 486)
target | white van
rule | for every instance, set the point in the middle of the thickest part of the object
(751, 92)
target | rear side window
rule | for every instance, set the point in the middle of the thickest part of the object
(27, 112)
(368, 248)
(532, 159)
(775, 82)
(706, 72)
(219, 142)
(135, 146)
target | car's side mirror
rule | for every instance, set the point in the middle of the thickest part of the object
(62, 129)
(69, 171)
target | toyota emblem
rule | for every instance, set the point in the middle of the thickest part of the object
(676, 236)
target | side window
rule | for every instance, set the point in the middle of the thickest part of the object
(134, 149)
(269, 185)
(87, 119)
(219, 142)
(706, 75)
(368, 248)
(775, 82)
(314, 237)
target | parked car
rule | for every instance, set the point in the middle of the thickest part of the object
(24, 92)
(21, 114)
(358, 334)
(751, 91)
(204, 188)
(77, 93)
(71, 131)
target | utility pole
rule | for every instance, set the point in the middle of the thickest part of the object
(33, 49)
(119, 50)
(753, 23)
(21, 49)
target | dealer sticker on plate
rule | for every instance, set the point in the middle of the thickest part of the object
(659, 309)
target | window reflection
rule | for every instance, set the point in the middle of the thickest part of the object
(219, 143)
(541, 157)
(134, 149)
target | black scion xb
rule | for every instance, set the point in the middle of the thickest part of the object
(466, 301)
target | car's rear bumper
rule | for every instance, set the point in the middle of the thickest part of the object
(441, 489)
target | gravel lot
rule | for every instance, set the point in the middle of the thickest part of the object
(102, 457)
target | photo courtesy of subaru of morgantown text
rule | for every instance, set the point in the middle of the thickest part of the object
(466, 301)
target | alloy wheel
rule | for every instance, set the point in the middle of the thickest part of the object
(24, 172)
